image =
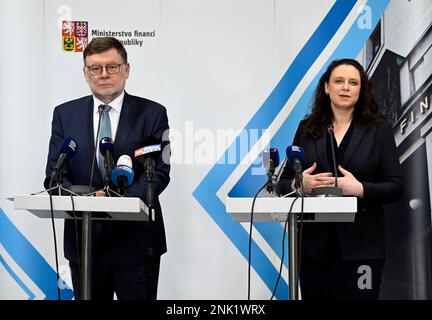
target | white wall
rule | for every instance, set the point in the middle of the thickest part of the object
(24, 119)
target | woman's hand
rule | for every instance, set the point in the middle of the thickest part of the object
(349, 184)
(311, 181)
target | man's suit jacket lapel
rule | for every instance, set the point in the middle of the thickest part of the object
(127, 118)
(89, 133)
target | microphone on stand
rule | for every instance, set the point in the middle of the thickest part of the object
(295, 156)
(101, 109)
(123, 174)
(106, 148)
(270, 161)
(330, 191)
(330, 130)
(148, 157)
(68, 150)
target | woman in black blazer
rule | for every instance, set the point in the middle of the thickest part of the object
(345, 260)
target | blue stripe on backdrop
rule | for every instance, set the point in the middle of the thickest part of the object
(30, 261)
(205, 193)
(14, 276)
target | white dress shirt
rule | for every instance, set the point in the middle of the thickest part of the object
(114, 115)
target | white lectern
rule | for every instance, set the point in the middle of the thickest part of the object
(87, 209)
(316, 209)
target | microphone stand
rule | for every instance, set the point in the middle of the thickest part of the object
(106, 189)
(100, 110)
(58, 186)
(293, 259)
(330, 191)
(90, 187)
(292, 220)
(150, 198)
(270, 174)
(149, 168)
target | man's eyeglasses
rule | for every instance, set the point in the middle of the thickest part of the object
(96, 70)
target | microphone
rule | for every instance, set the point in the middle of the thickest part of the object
(295, 156)
(68, 149)
(101, 109)
(330, 130)
(123, 174)
(270, 161)
(148, 156)
(330, 191)
(106, 148)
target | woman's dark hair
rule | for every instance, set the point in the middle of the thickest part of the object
(365, 111)
(102, 44)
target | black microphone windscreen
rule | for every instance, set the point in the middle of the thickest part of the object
(106, 144)
(69, 147)
(149, 141)
(151, 148)
(294, 152)
(271, 154)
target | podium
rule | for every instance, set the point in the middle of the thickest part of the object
(86, 209)
(315, 209)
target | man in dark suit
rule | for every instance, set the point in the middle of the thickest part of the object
(126, 255)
